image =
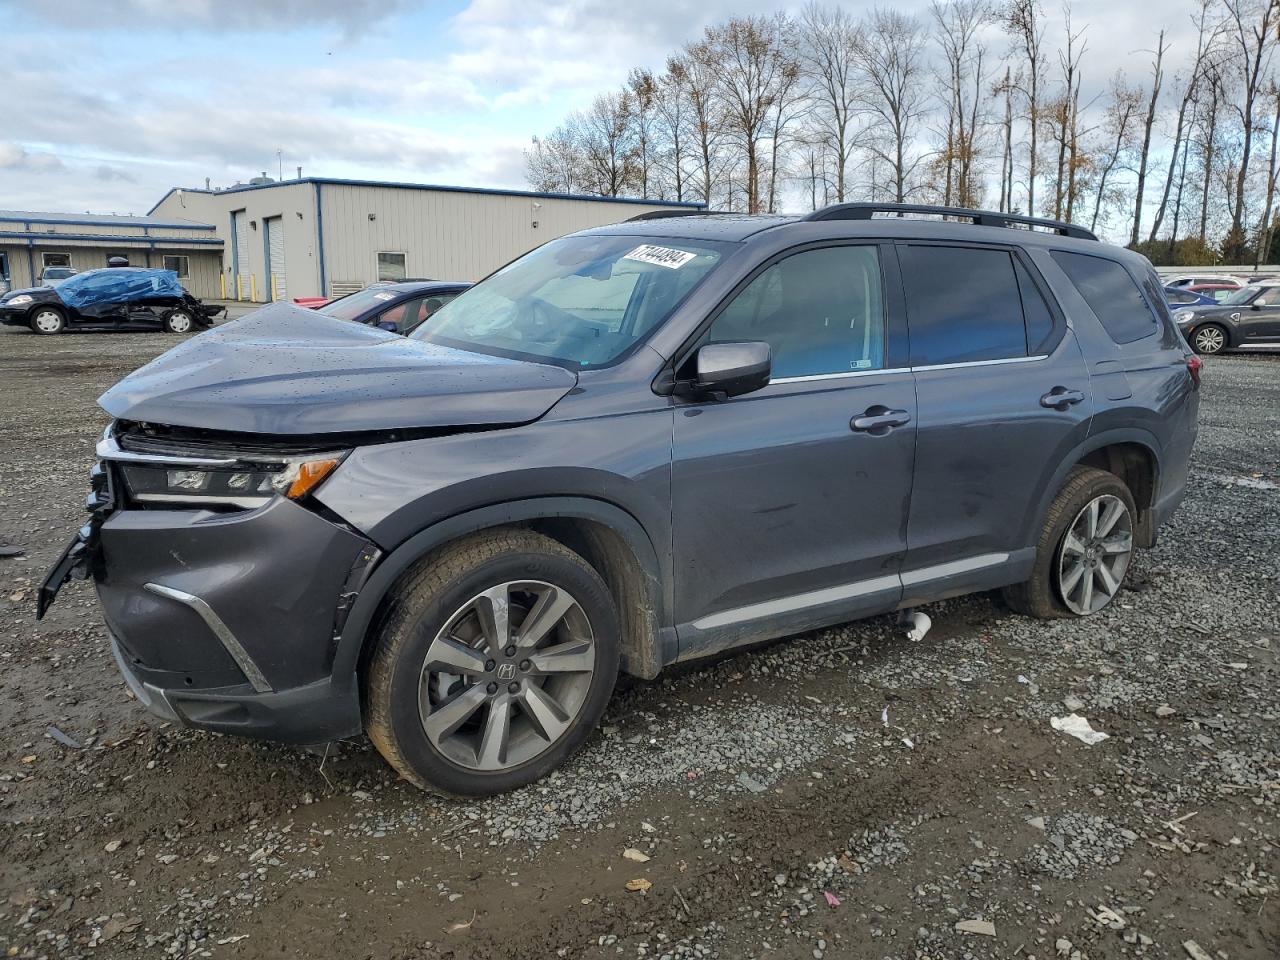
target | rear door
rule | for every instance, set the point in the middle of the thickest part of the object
(1002, 393)
(789, 504)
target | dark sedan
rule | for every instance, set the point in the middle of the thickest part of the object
(1250, 317)
(121, 298)
(398, 307)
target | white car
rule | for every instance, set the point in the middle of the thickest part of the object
(1195, 279)
(52, 276)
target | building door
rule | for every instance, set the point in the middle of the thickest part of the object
(276, 287)
(240, 256)
(4, 273)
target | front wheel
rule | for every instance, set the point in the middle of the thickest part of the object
(48, 321)
(495, 663)
(1209, 339)
(1084, 550)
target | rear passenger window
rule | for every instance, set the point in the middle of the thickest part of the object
(1111, 294)
(1040, 326)
(963, 304)
(821, 312)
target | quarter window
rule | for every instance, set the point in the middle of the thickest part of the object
(964, 305)
(1111, 293)
(391, 266)
(179, 265)
(821, 312)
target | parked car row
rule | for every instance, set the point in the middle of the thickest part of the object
(1248, 317)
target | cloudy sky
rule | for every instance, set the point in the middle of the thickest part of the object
(104, 112)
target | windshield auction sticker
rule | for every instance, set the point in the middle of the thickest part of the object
(660, 256)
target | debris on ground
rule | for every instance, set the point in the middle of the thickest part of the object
(1078, 727)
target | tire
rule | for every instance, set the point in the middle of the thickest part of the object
(179, 321)
(1050, 593)
(524, 713)
(47, 321)
(1210, 338)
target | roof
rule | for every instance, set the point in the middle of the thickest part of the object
(99, 220)
(397, 185)
(722, 226)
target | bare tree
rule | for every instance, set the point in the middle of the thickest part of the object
(695, 72)
(552, 162)
(1252, 27)
(958, 24)
(891, 55)
(1005, 88)
(1021, 20)
(1121, 113)
(671, 109)
(643, 90)
(752, 66)
(607, 143)
(1267, 226)
(1209, 146)
(1157, 79)
(1206, 36)
(1065, 114)
(829, 59)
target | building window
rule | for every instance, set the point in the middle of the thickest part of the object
(391, 266)
(56, 259)
(179, 265)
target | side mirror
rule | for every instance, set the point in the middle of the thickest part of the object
(1259, 304)
(732, 369)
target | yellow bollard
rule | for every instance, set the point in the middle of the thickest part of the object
(238, 297)
(222, 286)
(253, 287)
(273, 288)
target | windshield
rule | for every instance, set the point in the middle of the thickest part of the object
(1243, 295)
(577, 301)
(352, 306)
(57, 273)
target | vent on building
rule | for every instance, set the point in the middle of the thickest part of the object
(340, 288)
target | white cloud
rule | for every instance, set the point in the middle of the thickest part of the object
(15, 156)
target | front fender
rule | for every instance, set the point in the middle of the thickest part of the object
(389, 570)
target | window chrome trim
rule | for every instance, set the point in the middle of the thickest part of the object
(813, 378)
(220, 630)
(840, 376)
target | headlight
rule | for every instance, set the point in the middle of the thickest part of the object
(1184, 315)
(19, 300)
(245, 485)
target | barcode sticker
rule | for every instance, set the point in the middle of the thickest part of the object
(660, 256)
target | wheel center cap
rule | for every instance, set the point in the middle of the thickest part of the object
(506, 671)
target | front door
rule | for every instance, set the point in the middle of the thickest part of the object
(1003, 393)
(790, 504)
(1260, 321)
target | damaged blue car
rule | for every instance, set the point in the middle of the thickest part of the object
(117, 298)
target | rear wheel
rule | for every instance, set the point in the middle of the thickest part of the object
(179, 321)
(496, 662)
(1084, 550)
(48, 320)
(1209, 338)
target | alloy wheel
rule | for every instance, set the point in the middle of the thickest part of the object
(48, 321)
(1209, 340)
(1095, 554)
(507, 675)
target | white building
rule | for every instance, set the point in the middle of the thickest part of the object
(325, 237)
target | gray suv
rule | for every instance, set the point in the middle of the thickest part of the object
(633, 446)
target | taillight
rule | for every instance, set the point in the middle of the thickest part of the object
(1194, 366)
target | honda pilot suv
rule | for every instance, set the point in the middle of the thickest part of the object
(635, 445)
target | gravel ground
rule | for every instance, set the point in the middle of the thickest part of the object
(848, 793)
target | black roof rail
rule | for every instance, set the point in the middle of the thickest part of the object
(663, 214)
(983, 218)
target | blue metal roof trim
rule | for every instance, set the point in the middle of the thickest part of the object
(146, 223)
(488, 191)
(36, 238)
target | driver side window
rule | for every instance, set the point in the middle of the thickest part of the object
(821, 312)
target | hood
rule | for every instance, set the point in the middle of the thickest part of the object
(29, 291)
(284, 370)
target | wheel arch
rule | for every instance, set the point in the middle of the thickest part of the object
(1130, 454)
(605, 535)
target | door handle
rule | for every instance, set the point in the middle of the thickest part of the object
(879, 420)
(1059, 398)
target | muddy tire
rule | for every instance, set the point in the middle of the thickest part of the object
(1084, 550)
(495, 662)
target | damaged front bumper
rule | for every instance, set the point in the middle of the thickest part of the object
(223, 619)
